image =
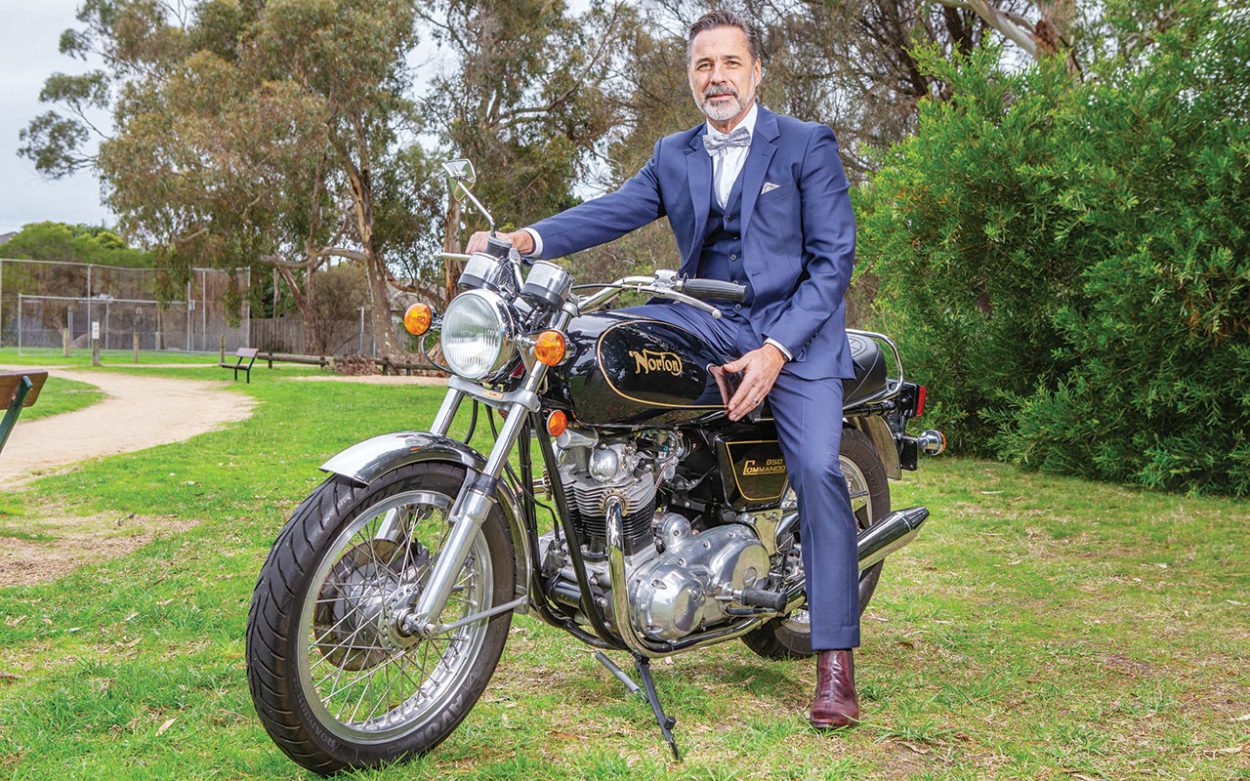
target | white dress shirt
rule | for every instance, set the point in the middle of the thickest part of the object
(728, 168)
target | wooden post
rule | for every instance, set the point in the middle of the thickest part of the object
(65, 342)
(136, 336)
(223, 348)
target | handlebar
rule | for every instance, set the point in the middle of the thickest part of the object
(713, 289)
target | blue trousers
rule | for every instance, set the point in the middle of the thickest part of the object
(809, 426)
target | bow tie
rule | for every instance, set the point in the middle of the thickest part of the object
(740, 136)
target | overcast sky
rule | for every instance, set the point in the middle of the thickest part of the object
(29, 32)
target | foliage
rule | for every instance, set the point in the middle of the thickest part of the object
(1067, 263)
(74, 243)
(524, 99)
(247, 133)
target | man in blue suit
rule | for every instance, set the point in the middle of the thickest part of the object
(760, 199)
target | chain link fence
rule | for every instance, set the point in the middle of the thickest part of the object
(52, 305)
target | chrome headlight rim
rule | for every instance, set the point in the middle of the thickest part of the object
(504, 331)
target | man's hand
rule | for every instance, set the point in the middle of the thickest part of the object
(521, 240)
(760, 369)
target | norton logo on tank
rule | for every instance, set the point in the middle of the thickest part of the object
(647, 361)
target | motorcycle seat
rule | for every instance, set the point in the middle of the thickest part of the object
(871, 375)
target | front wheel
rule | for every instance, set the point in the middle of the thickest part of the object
(790, 636)
(335, 682)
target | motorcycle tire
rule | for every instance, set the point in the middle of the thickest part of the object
(789, 637)
(325, 610)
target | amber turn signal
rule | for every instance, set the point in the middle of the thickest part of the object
(549, 347)
(557, 422)
(418, 318)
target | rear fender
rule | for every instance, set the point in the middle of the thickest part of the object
(883, 440)
(366, 461)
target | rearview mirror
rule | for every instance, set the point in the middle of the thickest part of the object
(460, 174)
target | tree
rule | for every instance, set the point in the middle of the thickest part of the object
(524, 101)
(247, 133)
(1068, 259)
(74, 243)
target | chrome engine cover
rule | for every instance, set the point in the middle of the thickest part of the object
(676, 593)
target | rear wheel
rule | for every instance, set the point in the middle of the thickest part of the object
(335, 681)
(790, 636)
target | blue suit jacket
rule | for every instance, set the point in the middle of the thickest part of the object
(798, 239)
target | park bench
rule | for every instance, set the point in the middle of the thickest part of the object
(242, 354)
(17, 390)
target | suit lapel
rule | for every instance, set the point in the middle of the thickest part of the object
(699, 180)
(761, 154)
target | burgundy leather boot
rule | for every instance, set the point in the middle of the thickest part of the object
(835, 705)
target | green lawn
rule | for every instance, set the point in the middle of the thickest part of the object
(62, 395)
(1039, 628)
(79, 358)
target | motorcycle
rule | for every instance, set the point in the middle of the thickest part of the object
(383, 607)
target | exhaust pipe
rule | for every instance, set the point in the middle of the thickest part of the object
(884, 537)
(889, 535)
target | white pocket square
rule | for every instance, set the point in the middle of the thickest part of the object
(768, 187)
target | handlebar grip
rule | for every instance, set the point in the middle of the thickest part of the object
(714, 288)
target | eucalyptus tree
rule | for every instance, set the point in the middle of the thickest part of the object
(246, 132)
(521, 93)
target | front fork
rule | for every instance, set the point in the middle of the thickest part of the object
(476, 498)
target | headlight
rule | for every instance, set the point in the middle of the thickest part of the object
(477, 334)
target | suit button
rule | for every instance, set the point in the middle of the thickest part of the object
(733, 257)
(737, 307)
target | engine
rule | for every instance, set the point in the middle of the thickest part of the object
(682, 571)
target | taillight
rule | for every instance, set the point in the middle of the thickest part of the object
(920, 392)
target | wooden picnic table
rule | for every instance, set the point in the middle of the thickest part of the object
(18, 389)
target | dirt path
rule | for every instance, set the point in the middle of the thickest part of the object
(138, 413)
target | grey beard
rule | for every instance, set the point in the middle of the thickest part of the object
(724, 112)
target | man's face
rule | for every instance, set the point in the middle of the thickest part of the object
(723, 74)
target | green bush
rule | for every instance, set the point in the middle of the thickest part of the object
(1067, 262)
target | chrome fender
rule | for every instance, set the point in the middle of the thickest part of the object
(366, 461)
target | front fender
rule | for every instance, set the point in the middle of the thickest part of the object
(366, 461)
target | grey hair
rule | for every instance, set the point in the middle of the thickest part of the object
(725, 18)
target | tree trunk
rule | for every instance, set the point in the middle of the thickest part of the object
(380, 309)
(451, 243)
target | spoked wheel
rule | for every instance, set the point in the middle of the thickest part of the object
(334, 677)
(791, 636)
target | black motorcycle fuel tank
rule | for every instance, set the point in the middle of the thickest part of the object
(625, 371)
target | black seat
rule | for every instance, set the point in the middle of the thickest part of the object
(870, 371)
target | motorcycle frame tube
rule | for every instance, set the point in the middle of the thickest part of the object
(573, 541)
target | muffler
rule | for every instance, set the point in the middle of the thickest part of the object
(889, 534)
(884, 537)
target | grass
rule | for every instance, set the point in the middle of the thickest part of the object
(1039, 628)
(82, 358)
(61, 395)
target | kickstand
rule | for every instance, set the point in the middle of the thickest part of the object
(643, 665)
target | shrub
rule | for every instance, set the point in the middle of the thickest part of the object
(1068, 265)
